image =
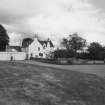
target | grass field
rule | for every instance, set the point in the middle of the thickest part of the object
(25, 84)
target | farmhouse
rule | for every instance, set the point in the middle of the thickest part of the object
(21, 50)
(37, 48)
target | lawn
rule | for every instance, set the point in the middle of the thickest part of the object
(25, 84)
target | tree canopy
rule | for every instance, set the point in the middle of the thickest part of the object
(74, 42)
(4, 39)
(96, 51)
(26, 42)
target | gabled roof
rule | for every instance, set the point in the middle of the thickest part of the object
(27, 41)
(42, 42)
(46, 42)
(51, 44)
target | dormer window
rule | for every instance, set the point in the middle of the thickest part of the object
(48, 44)
(44, 46)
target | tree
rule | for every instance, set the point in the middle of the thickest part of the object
(96, 51)
(26, 42)
(74, 43)
(4, 39)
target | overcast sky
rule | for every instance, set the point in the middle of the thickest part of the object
(55, 18)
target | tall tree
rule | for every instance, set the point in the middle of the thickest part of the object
(4, 39)
(74, 43)
(26, 42)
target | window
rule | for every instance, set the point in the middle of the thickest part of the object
(38, 48)
(44, 46)
(41, 54)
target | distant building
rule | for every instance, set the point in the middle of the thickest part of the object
(37, 48)
(13, 49)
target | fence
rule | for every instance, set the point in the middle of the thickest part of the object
(12, 56)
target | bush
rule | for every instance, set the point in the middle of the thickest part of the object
(60, 61)
(52, 61)
(63, 54)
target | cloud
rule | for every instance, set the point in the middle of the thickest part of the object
(53, 18)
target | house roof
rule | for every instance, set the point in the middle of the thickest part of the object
(26, 42)
(17, 48)
(46, 42)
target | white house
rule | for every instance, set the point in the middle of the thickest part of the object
(37, 48)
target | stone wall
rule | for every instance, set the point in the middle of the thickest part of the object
(6, 56)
